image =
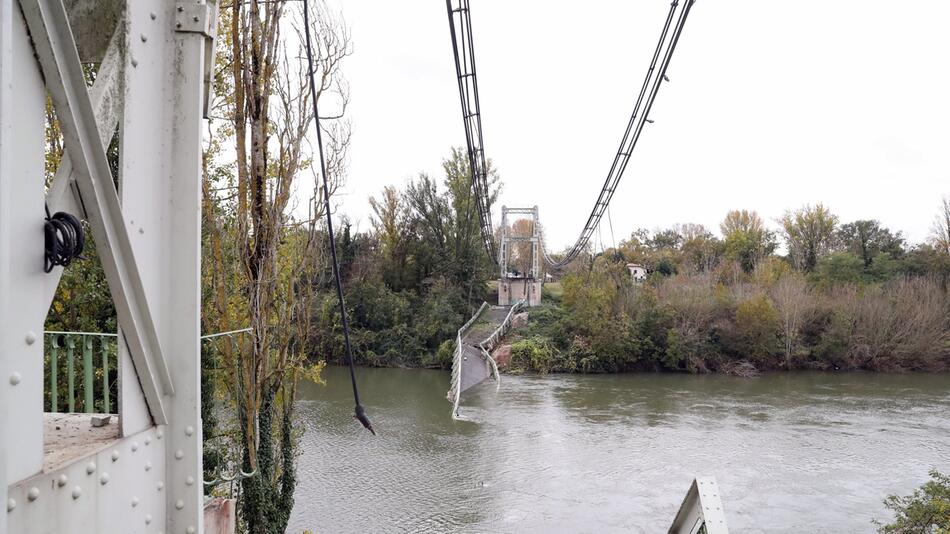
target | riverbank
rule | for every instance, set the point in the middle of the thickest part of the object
(599, 322)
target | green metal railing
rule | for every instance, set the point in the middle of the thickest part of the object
(96, 387)
(219, 453)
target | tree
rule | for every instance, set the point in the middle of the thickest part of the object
(666, 239)
(925, 511)
(390, 220)
(522, 251)
(758, 327)
(940, 232)
(700, 248)
(269, 113)
(867, 238)
(809, 234)
(839, 268)
(745, 238)
(795, 303)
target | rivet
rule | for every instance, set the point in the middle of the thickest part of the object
(90, 468)
(189, 430)
(190, 530)
(159, 433)
(11, 504)
(148, 439)
(135, 446)
(30, 337)
(148, 466)
(194, 19)
(190, 480)
(179, 454)
(179, 504)
(144, 37)
(148, 518)
(135, 62)
(15, 378)
(104, 479)
(160, 485)
(135, 502)
(180, 9)
(115, 455)
(62, 480)
(141, 230)
(152, 15)
(178, 25)
(77, 491)
(33, 494)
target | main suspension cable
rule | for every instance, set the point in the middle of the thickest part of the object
(471, 115)
(651, 85)
(464, 53)
(359, 412)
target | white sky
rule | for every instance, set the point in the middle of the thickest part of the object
(771, 105)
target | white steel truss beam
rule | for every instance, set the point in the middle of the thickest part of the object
(701, 511)
(106, 98)
(52, 37)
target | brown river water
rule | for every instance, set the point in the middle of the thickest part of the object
(803, 452)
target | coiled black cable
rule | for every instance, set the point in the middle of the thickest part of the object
(64, 239)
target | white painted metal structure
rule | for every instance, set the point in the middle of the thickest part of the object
(455, 387)
(152, 87)
(492, 341)
(701, 511)
(509, 291)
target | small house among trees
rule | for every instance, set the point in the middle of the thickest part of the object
(637, 272)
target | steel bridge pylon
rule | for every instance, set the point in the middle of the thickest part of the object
(143, 472)
(522, 281)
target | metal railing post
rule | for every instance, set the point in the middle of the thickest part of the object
(87, 382)
(53, 373)
(94, 357)
(106, 349)
(70, 373)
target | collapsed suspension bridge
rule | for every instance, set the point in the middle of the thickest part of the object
(473, 362)
(524, 286)
(143, 473)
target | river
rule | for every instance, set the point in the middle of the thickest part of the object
(803, 452)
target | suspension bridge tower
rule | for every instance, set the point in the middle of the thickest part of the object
(519, 257)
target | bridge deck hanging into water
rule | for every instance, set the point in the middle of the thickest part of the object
(472, 363)
(151, 91)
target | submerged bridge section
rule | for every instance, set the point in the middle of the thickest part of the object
(472, 363)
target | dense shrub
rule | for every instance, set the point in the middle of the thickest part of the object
(533, 354)
(770, 319)
(925, 511)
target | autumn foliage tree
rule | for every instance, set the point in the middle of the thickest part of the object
(264, 240)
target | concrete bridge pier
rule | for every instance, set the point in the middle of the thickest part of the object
(511, 290)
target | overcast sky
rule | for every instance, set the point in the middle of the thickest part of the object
(771, 105)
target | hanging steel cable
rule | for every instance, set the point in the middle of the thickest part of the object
(651, 86)
(460, 24)
(359, 413)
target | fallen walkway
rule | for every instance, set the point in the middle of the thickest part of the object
(471, 363)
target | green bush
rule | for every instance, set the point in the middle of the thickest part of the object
(442, 358)
(925, 511)
(757, 325)
(534, 354)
